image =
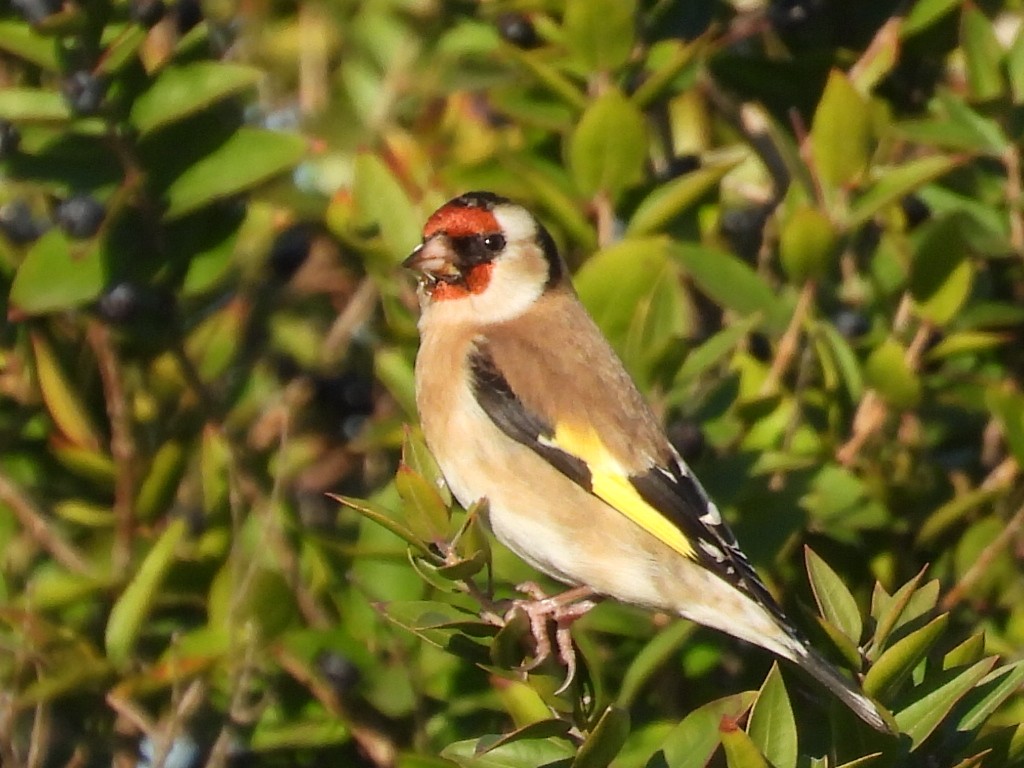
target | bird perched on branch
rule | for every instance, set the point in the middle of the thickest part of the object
(524, 403)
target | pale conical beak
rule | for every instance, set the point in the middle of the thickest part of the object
(432, 257)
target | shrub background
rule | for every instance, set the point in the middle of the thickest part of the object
(799, 222)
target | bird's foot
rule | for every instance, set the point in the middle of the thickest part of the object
(562, 610)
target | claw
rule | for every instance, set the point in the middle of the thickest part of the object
(563, 610)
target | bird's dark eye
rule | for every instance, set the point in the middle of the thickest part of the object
(494, 242)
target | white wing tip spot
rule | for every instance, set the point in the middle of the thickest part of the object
(711, 515)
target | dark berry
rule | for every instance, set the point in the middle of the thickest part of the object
(743, 229)
(349, 393)
(290, 249)
(18, 223)
(851, 323)
(338, 670)
(36, 11)
(187, 13)
(915, 210)
(10, 138)
(517, 29)
(80, 216)
(687, 438)
(120, 303)
(147, 12)
(84, 92)
(759, 347)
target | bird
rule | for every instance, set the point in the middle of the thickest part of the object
(524, 404)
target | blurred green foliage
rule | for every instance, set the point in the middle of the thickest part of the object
(798, 221)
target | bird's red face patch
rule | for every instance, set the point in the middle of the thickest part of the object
(460, 221)
(476, 282)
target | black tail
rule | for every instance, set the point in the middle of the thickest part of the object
(846, 691)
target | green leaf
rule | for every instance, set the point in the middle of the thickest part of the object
(539, 729)
(545, 74)
(32, 105)
(940, 274)
(834, 600)
(1007, 406)
(425, 512)
(740, 751)
(935, 699)
(712, 352)
(651, 658)
(607, 150)
(382, 203)
(887, 371)
(605, 740)
(600, 32)
(63, 400)
(807, 245)
(729, 282)
(840, 133)
(990, 694)
(899, 660)
(384, 518)
(419, 459)
(136, 601)
(891, 611)
(182, 90)
(161, 482)
(953, 511)
(533, 753)
(668, 201)
(968, 652)
(925, 13)
(633, 291)
(247, 159)
(692, 743)
(895, 183)
(772, 727)
(57, 275)
(983, 54)
(661, 79)
(19, 39)
(835, 350)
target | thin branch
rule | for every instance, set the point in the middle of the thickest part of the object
(39, 528)
(122, 441)
(789, 344)
(983, 561)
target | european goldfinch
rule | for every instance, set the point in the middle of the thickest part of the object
(524, 403)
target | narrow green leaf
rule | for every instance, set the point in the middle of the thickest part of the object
(840, 133)
(837, 349)
(712, 352)
(553, 80)
(955, 510)
(887, 371)
(889, 611)
(670, 200)
(895, 183)
(540, 729)
(731, 283)
(61, 398)
(941, 274)
(807, 244)
(384, 518)
(382, 203)
(599, 33)
(425, 511)
(419, 459)
(161, 481)
(605, 740)
(607, 150)
(58, 275)
(924, 13)
(248, 158)
(182, 90)
(834, 600)
(645, 665)
(990, 694)
(740, 751)
(969, 651)
(32, 105)
(692, 743)
(19, 39)
(136, 601)
(983, 54)
(659, 81)
(899, 660)
(772, 727)
(520, 754)
(937, 698)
